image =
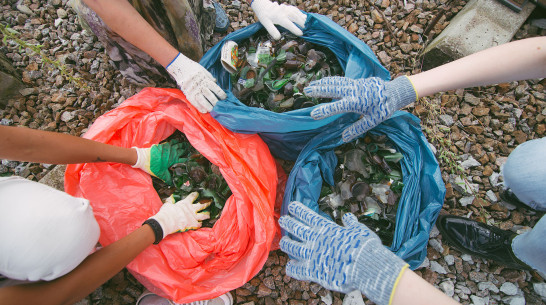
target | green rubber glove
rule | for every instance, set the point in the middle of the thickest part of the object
(157, 159)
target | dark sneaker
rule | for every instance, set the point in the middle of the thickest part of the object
(222, 21)
(481, 240)
(508, 196)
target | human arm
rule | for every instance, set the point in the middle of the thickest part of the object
(348, 258)
(196, 82)
(377, 100)
(100, 266)
(25, 144)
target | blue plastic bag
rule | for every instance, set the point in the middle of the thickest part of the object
(422, 196)
(296, 136)
(286, 133)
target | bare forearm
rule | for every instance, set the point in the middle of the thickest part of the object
(24, 144)
(518, 60)
(90, 274)
(123, 19)
(413, 289)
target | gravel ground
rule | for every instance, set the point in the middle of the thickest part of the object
(483, 125)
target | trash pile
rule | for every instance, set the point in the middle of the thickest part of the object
(272, 74)
(370, 185)
(196, 174)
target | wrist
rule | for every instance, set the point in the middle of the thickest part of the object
(400, 92)
(376, 264)
(156, 228)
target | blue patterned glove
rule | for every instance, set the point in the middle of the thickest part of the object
(372, 97)
(339, 258)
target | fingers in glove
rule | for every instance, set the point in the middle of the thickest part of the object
(201, 103)
(298, 270)
(210, 97)
(333, 108)
(217, 90)
(202, 216)
(294, 249)
(295, 15)
(360, 127)
(197, 207)
(170, 200)
(308, 216)
(333, 81)
(271, 29)
(191, 197)
(290, 26)
(296, 228)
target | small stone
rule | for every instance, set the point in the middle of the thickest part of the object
(469, 163)
(509, 288)
(540, 289)
(491, 196)
(480, 111)
(67, 116)
(61, 13)
(436, 267)
(436, 244)
(448, 287)
(471, 99)
(489, 286)
(449, 259)
(467, 258)
(520, 136)
(466, 200)
(353, 28)
(24, 9)
(476, 300)
(29, 91)
(494, 179)
(446, 120)
(516, 300)
(384, 57)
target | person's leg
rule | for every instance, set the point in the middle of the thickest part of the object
(525, 173)
(530, 248)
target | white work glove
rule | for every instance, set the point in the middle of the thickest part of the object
(271, 13)
(196, 82)
(181, 216)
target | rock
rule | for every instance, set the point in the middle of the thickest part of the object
(540, 289)
(448, 287)
(385, 59)
(436, 267)
(469, 163)
(520, 136)
(491, 196)
(467, 258)
(480, 111)
(436, 244)
(61, 13)
(24, 9)
(516, 300)
(494, 179)
(449, 259)
(466, 200)
(509, 288)
(479, 301)
(353, 28)
(446, 120)
(471, 99)
(489, 286)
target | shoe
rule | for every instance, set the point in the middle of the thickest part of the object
(150, 298)
(481, 240)
(222, 22)
(508, 196)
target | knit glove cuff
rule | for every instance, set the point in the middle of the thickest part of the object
(400, 92)
(378, 272)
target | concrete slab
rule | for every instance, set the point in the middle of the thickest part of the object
(55, 177)
(480, 25)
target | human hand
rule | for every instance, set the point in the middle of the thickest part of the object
(178, 216)
(271, 13)
(157, 159)
(339, 258)
(372, 97)
(196, 82)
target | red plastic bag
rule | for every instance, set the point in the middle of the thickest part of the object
(194, 265)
